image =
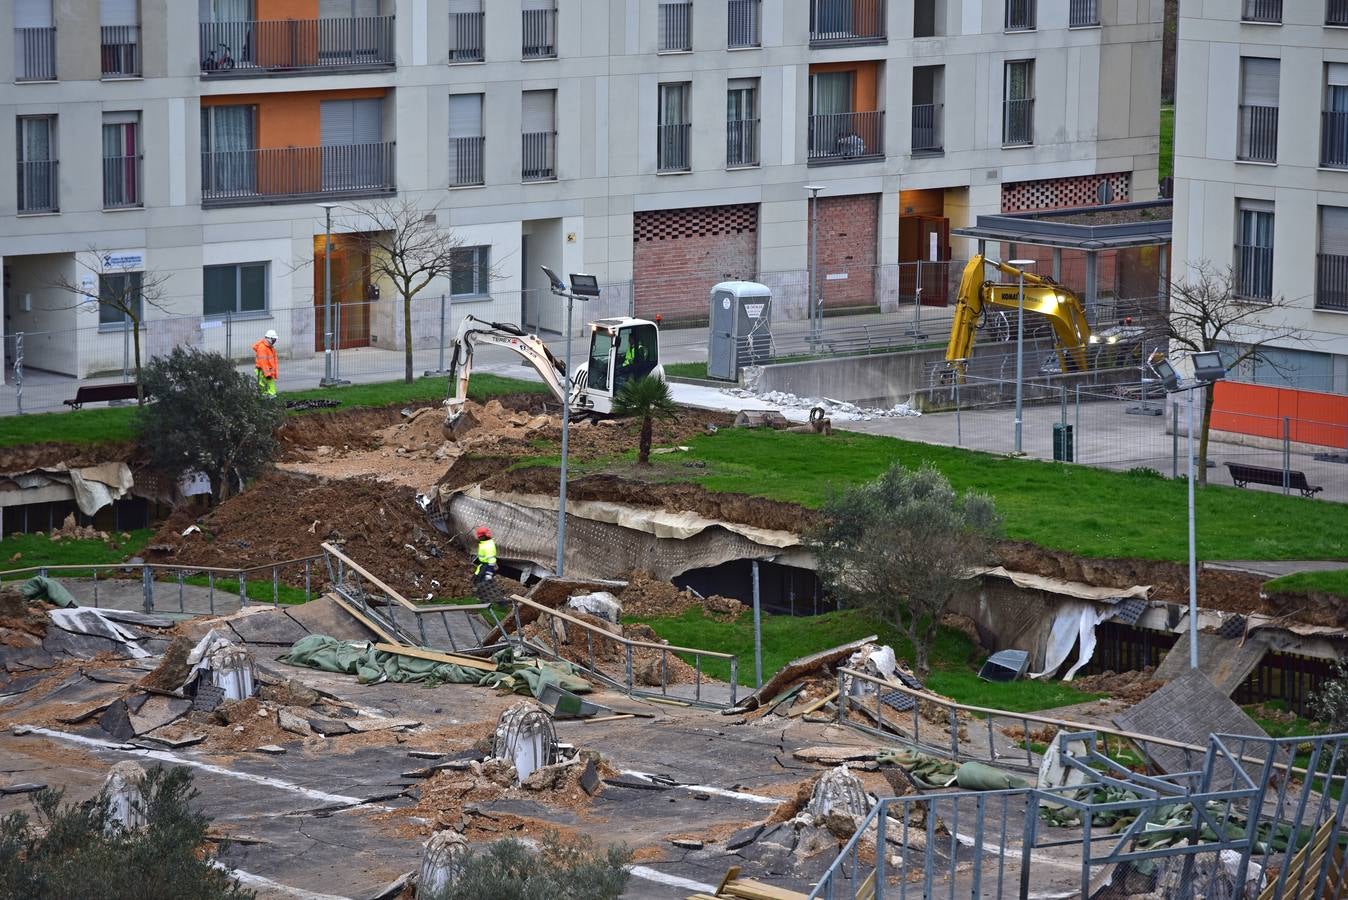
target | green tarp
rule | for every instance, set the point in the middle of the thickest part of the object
(930, 772)
(40, 587)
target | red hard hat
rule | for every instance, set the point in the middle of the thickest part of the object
(482, 532)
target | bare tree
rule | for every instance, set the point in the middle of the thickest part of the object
(1208, 312)
(125, 292)
(406, 245)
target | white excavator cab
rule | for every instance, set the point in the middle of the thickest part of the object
(621, 350)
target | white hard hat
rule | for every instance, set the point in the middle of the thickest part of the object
(272, 336)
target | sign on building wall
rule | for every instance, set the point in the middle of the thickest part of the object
(123, 261)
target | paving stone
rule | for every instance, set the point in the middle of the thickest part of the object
(292, 723)
(271, 749)
(116, 721)
(26, 788)
(589, 779)
(329, 727)
(686, 844)
(744, 837)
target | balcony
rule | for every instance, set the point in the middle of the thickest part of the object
(1331, 282)
(1083, 13)
(1017, 123)
(741, 143)
(540, 33)
(672, 146)
(846, 22)
(296, 46)
(539, 157)
(465, 37)
(1267, 12)
(292, 174)
(34, 54)
(121, 51)
(1254, 272)
(121, 182)
(465, 161)
(846, 137)
(1334, 140)
(676, 27)
(1336, 12)
(1258, 134)
(37, 187)
(1020, 15)
(927, 137)
(744, 24)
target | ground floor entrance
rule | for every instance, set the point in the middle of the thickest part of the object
(924, 246)
(352, 291)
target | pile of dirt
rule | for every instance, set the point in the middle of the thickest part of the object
(647, 598)
(1131, 687)
(21, 624)
(172, 671)
(36, 456)
(650, 667)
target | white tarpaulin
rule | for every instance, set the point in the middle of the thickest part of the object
(1073, 621)
(92, 487)
(1077, 589)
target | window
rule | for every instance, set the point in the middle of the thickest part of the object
(742, 122)
(1334, 119)
(743, 23)
(228, 149)
(351, 133)
(928, 18)
(928, 94)
(673, 131)
(465, 31)
(34, 41)
(1083, 13)
(540, 29)
(121, 160)
(465, 139)
(1305, 370)
(1254, 250)
(234, 290)
(1331, 273)
(1336, 12)
(1020, 15)
(676, 26)
(1265, 11)
(36, 155)
(471, 276)
(538, 160)
(1018, 104)
(1257, 139)
(847, 21)
(119, 292)
(120, 36)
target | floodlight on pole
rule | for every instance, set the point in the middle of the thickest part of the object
(812, 295)
(583, 287)
(1021, 265)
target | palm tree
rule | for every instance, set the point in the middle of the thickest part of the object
(649, 398)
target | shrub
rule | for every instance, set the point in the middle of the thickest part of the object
(561, 870)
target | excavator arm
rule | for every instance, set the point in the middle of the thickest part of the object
(1063, 309)
(474, 331)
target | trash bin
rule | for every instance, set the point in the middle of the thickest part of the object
(1062, 442)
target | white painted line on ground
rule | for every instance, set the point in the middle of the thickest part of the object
(646, 874)
(257, 882)
(707, 789)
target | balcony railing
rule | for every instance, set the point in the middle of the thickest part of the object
(539, 159)
(465, 37)
(1254, 272)
(1017, 122)
(1336, 12)
(927, 137)
(296, 45)
(37, 187)
(121, 51)
(465, 161)
(1334, 140)
(540, 33)
(242, 177)
(741, 142)
(1020, 15)
(845, 137)
(1083, 13)
(1331, 282)
(34, 54)
(1261, 11)
(846, 22)
(1258, 137)
(676, 26)
(744, 23)
(121, 182)
(672, 145)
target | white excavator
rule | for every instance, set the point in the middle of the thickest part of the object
(621, 349)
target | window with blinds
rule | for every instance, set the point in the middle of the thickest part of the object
(1331, 270)
(465, 140)
(539, 126)
(1254, 249)
(1257, 126)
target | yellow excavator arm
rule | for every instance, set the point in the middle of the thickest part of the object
(1042, 295)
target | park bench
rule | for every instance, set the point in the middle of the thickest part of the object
(95, 393)
(1243, 474)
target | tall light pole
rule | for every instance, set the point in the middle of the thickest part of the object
(814, 190)
(1021, 265)
(328, 379)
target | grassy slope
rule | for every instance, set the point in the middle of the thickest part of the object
(1167, 161)
(1334, 582)
(39, 550)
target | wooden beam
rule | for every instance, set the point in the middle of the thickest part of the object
(806, 710)
(468, 662)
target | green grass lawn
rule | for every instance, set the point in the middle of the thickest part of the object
(1167, 161)
(686, 370)
(40, 550)
(1332, 582)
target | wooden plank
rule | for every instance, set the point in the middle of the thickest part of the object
(612, 718)
(730, 875)
(806, 710)
(468, 662)
(803, 666)
(867, 889)
(749, 889)
(363, 619)
(401, 600)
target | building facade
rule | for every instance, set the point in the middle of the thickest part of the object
(662, 145)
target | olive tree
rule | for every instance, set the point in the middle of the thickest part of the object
(900, 547)
(559, 870)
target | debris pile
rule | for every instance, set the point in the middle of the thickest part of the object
(834, 409)
(647, 598)
(69, 530)
(1130, 687)
(586, 648)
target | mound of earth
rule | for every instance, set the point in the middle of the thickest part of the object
(37, 456)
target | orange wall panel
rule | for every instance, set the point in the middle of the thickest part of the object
(1259, 410)
(287, 9)
(865, 82)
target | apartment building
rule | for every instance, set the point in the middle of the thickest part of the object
(1261, 186)
(663, 145)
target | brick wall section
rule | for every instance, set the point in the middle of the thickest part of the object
(848, 242)
(678, 255)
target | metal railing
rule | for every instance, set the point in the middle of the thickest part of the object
(676, 27)
(121, 182)
(465, 37)
(38, 186)
(297, 45)
(1254, 272)
(1083, 13)
(35, 54)
(744, 23)
(1020, 15)
(837, 137)
(465, 161)
(539, 156)
(540, 33)
(1336, 12)
(121, 51)
(1017, 122)
(672, 145)
(741, 142)
(237, 177)
(927, 121)
(1261, 11)
(847, 21)
(603, 649)
(1334, 138)
(1258, 134)
(1331, 282)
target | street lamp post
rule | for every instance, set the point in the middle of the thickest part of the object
(814, 305)
(329, 376)
(1021, 265)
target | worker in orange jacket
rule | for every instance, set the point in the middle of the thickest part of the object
(264, 362)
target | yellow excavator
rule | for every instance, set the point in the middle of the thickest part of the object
(1072, 336)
